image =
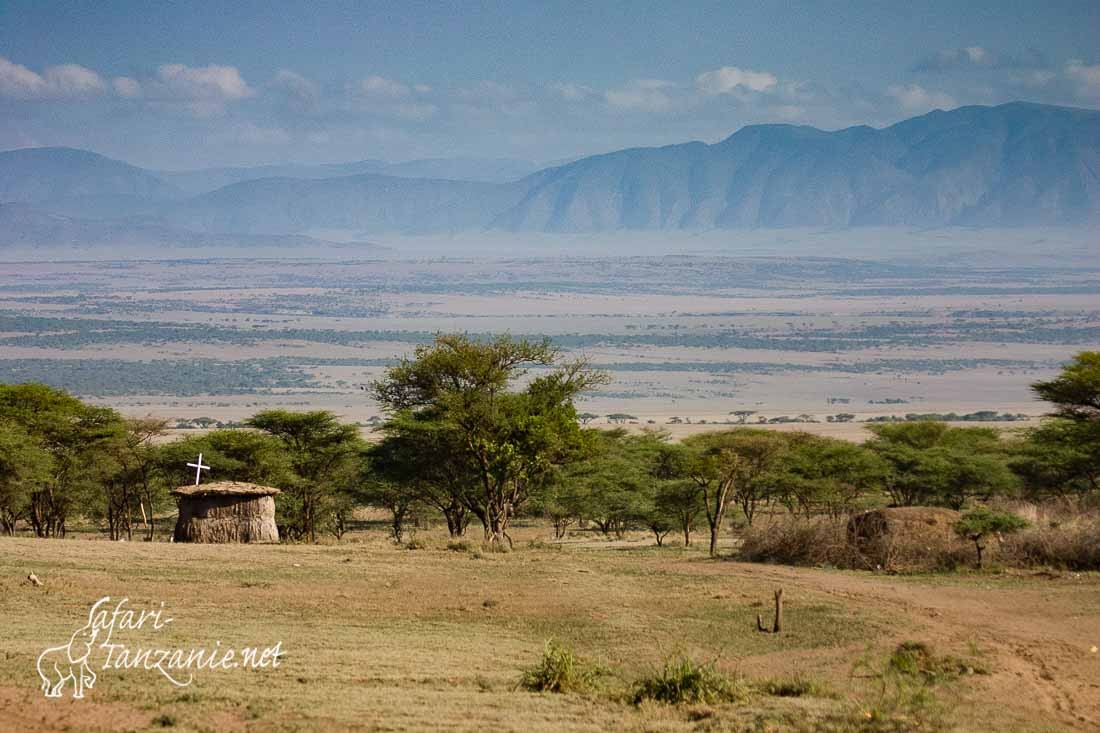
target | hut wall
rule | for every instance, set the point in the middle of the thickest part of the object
(214, 518)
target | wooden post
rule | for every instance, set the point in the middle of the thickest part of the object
(777, 623)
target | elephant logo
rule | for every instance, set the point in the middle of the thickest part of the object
(68, 663)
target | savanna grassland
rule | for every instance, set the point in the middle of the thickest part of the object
(377, 636)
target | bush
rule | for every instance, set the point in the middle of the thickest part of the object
(458, 546)
(916, 659)
(685, 681)
(793, 541)
(1069, 546)
(415, 545)
(559, 670)
(824, 541)
(797, 686)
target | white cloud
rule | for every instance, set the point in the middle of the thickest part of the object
(300, 90)
(571, 92)
(730, 79)
(915, 98)
(212, 84)
(650, 95)
(380, 86)
(977, 55)
(126, 87)
(421, 88)
(1086, 76)
(72, 80)
(66, 81)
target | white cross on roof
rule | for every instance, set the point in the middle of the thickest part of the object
(199, 468)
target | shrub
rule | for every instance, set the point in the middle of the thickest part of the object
(1069, 546)
(458, 546)
(916, 659)
(559, 670)
(685, 681)
(793, 541)
(415, 545)
(797, 686)
(824, 541)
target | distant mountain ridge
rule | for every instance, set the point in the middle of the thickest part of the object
(1014, 164)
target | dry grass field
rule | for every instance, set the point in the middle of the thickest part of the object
(380, 637)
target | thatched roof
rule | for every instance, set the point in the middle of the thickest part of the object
(226, 488)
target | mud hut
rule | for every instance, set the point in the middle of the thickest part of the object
(226, 511)
(910, 522)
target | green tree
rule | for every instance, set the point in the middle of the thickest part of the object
(323, 455)
(73, 434)
(511, 438)
(1062, 456)
(977, 524)
(129, 482)
(23, 464)
(825, 474)
(612, 484)
(930, 463)
(425, 459)
(677, 495)
(733, 467)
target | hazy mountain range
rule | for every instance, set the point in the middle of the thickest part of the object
(1014, 164)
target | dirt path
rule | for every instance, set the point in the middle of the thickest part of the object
(1039, 639)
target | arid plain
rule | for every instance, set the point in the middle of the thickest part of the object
(688, 340)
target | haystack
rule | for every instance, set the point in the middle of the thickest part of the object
(910, 523)
(226, 511)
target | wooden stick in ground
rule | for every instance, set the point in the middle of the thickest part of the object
(777, 624)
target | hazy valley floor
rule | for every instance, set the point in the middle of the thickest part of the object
(687, 337)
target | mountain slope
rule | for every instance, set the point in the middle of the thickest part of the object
(1013, 164)
(458, 169)
(79, 182)
(368, 203)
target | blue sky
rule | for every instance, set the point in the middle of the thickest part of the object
(188, 84)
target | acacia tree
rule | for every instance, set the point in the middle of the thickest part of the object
(733, 466)
(510, 438)
(929, 462)
(677, 496)
(72, 434)
(1062, 456)
(414, 463)
(23, 463)
(979, 523)
(819, 473)
(132, 483)
(233, 455)
(322, 454)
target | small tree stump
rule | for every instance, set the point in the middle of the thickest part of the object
(777, 624)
